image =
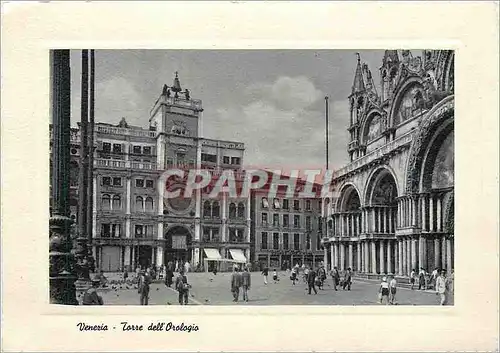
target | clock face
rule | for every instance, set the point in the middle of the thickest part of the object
(179, 203)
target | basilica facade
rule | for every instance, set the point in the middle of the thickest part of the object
(391, 210)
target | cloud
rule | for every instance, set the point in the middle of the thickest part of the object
(115, 98)
(282, 121)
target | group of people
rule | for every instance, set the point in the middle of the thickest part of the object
(240, 280)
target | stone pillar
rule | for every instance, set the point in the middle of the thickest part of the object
(126, 258)
(373, 228)
(336, 247)
(401, 259)
(431, 213)
(381, 257)
(332, 258)
(61, 261)
(159, 256)
(422, 252)
(367, 256)
(223, 213)
(437, 262)
(449, 260)
(414, 213)
(405, 257)
(374, 257)
(389, 257)
(351, 259)
(342, 256)
(414, 254)
(438, 214)
(443, 251)
(422, 214)
(358, 257)
(379, 227)
(325, 257)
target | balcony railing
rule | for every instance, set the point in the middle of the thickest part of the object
(379, 152)
(123, 131)
(115, 163)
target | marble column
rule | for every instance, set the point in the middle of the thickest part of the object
(337, 262)
(360, 229)
(431, 213)
(366, 265)
(381, 256)
(351, 257)
(358, 257)
(437, 262)
(374, 257)
(398, 218)
(405, 256)
(422, 213)
(443, 252)
(342, 256)
(389, 257)
(438, 214)
(449, 260)
(400, 257)
(414, 254)
(422, 253)
(373, 227)
(414, 213)
(332, 257)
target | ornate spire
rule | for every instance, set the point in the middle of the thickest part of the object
(358, 85)
(177, 84)
(390, 56)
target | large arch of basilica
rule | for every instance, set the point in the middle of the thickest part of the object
(392, 208)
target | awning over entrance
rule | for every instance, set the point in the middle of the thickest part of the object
(238, 255)
(212, 254)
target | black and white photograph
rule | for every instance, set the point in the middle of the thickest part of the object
(252, 177)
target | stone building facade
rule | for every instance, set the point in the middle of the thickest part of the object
(391, 210)
(133, 224)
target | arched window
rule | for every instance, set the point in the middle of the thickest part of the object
(106, 202)
(241, 210)
(232, 210)
(206, 209)
(215, 209)
(117, 202)
(139, 205)
(149, 204)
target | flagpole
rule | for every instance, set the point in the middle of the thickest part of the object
(325, 259)
(326, 132)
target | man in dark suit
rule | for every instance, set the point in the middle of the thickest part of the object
(311, 276)
(245, 283)
(236, 283)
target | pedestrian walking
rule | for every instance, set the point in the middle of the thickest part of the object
(293, 275)
(125, 274)
(182, 286)
(384, 291)
(245, 283)
(187, 267)
(143, 287)
(236, 282)
(335, 277)
(412, 278)
(169, 274)
(265, 273)
(392, 290)
(421, 279)
(442, 288)
(90, 297)
(434, 276)
(275, 276)
(311, 277)
(305, 273)
(322, 276)
(347, 279)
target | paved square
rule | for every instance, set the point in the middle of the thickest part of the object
(210, 289)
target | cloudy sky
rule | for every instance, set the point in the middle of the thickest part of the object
(272, 100)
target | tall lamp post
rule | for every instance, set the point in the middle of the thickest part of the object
(325, 207)
(61, 261)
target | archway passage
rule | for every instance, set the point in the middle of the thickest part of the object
(379, 247)
(177, 245)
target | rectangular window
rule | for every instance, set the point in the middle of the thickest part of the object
(117, 181)
(308, 242)
(276, 219)
(285, 241)
(146, 150)
(170, 162)
(296, 205)
(264, 218)
(149, 184)
(225, 160)
(106, 147)
(211, 158)
(116, 230)
(276, 241)
(235, 160)
(265, 203)
(285, 204)
(276, 204)
(308, 222)
(263, 244)
(296, 221)
(139, 231)
(106, 181)
(308, 205)
(117, 148)
(285, 220)
(296, 241)
(139, 183)
(105, 230)
(137, 149)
